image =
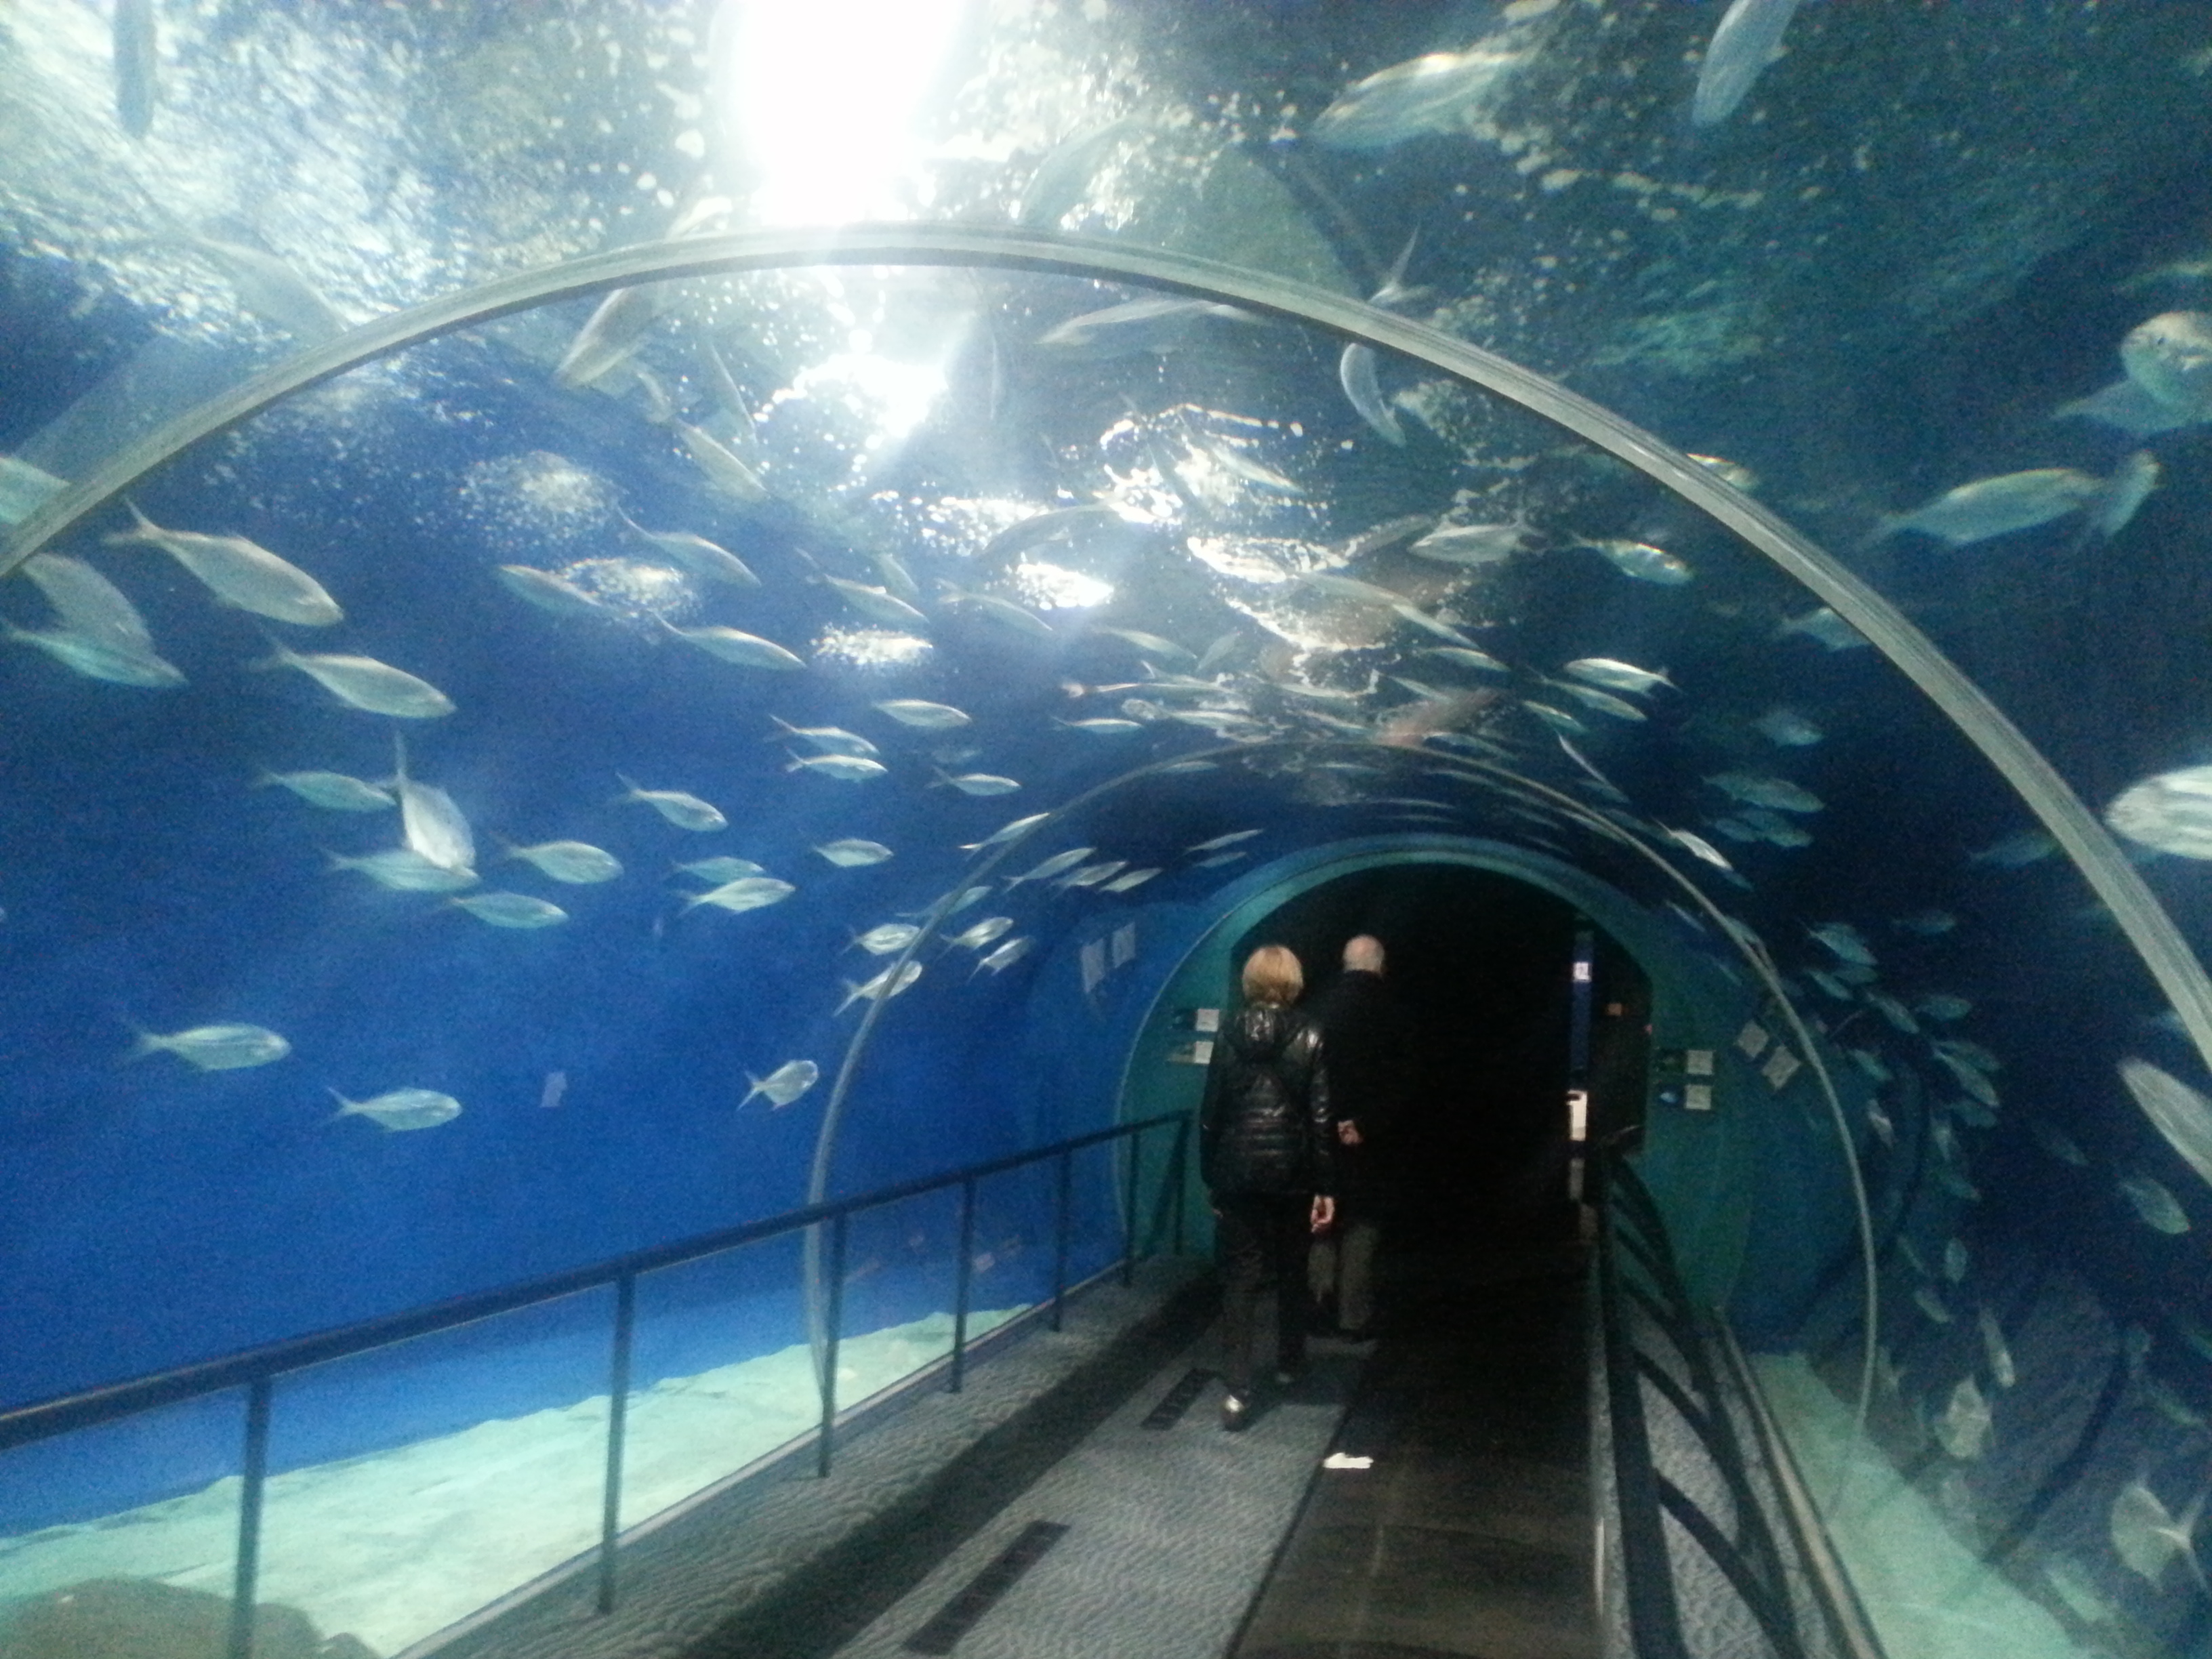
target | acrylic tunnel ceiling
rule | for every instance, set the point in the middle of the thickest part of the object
(553, 736)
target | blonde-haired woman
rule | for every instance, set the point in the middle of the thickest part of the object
(1266, 1143)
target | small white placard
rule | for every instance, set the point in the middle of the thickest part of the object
(1346, 1461)
(1124, 944)
(1193, 1053)
(1781, 1066)
(1205, 1020)
(1753, 1040)
(1697, 1062)
(1698, 1098)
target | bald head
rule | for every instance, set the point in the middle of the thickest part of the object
(1363, 955)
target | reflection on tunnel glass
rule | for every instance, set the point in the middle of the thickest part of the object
(459, 819)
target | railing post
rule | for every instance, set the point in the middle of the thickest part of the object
(618, 1421)
(1062, 1223)
(1129, 1211)
(255, 1470)
(961, 1280)
(835, 1319)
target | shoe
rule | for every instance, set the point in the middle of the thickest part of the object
(1236, 1413)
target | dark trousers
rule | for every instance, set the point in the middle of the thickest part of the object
(1261, 1237)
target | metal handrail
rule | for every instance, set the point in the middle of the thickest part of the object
(1750, 1560)
(257, 1370)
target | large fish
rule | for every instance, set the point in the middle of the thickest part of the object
(734, 646)
(97, 659)
(216, 1048)
(239, 572)
(403, 870)
(1999, 506)
(1057, 187)
(2179, 1112)
(87, 603)
(363, 682)
(270, 288)
(784, 1085)
(2172, 812)
(434, 826)
(401, 1109)
(1356, 373)
(1745, 40)
(1442, 92)
(2147, 1536)
(612, 334)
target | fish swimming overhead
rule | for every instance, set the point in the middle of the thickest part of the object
(826, 739)
(853, 854)
(1641, 560)
(1745, 40)
(270, 288)
(25, 489)
(1470, 545)
(746, 893)
(1616, 676)
(612, 334)
(1356, 373)
(1157, 323)
(2155, 1204)
(1825, 626)
(877, 605)
(1004, 613)
(403, 870)
(1963, 1430)
(238, 572)
(784, 1085)
(685, 812)
(216, 1048)
(511, 910)
(884, 986)
(1997, 506)
(1005, 955)
(2147, 1536)
(887, 938)
(1130, 881)
(1788, 729)
(923, 716)
(1006, 832)
(549, 591)
(88, 603)
(434, 825)
(981, 933)
(1778, 795)
(733, 646)
(576, 862)
(845, 768)
(715, 871)
(98, 659)
(725, 472)
(977, 783)
(2172, 811)
(708, 560)
(2169, 358)
(2179, 1112)
(401, 1109)
(1442, 92)
(1054, 865)
(334, 792)
(363, 682)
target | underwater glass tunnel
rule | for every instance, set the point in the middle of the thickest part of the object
(625, 617)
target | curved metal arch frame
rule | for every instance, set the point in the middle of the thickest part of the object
(2085, 840)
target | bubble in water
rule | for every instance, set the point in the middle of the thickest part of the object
(522, 502)
(871, 647)
(635, 589)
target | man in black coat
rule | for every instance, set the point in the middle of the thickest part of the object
(1366, 1037)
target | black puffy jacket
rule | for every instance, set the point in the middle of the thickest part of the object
(1265, 1124)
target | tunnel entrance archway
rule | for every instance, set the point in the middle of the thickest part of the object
(1482, 965)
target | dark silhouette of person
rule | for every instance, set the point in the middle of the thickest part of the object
(1266, 1152)
(1367, 1038)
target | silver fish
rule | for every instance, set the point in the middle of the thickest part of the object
(1230, 840)
(1997, 506)
(239, 572)
(2177, 1111)
(1014, 618)
(1846, 941)
(1158, 323)
(1442, 92)
(784, 1085)
(1745, 40)
(363, 682)
(1824, 626)
(576, 862)
(216, 1048)
(1955, 1260)
(888, 937)
(434, 825)
(2147, 1536)
(1103, 727)
(1615, 675)
(270, 288)
(978, 783)
(1643, 561)
(612, 334)
(88, 603)
(334, 792)
(1005, 955)
(1037, 528)
(2172, 811)
(1054, 865)
(745, 650)
(1963, 1430)
(2155, 1206)
(1356, 374)
(1129, 883)
(1218, 860)
(1006, 832)
(1151, 644)
(511, 910)
(853, 854)
(2169, 358)
(715, 871)
(403, 870)
(2016, 851)
(923, 716)
(746, 893)
(1941, 1005)
(724, 471)
(25, 489)
(982, 932)
(1091, 874)
(684, 811)
(877, 605)
(1604, 702)
(884, 986)
(549, 591)
(1788, 729)
(97, 659)
(402, 1108)
(827, 740)
(1702, 848)
(1239, 464)
(845, 768)
(1471, 544)
(1995, 1349)
(1056, 187)
(709, 561)
(2125, 492)
(1931, 1304)
(1466, 657)
(1778, 793)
